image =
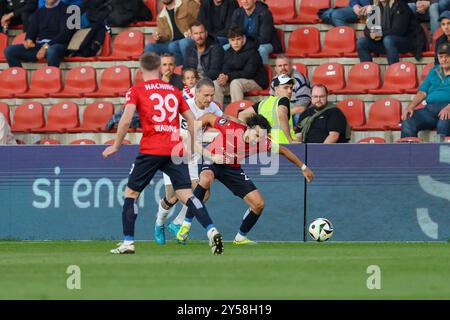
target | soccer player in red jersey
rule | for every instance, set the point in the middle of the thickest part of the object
(238, 141)
(159, 105)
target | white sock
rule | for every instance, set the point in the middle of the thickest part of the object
(180, 217)
(211, 232)
(161, 216)
(239, 237)
(127, 242)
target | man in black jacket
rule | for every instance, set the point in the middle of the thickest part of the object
(242, 70)
(216, 17)
(205, 55)
(16, 12)
(444, 20)
(47, 37)
(399, 31)
(256, 20)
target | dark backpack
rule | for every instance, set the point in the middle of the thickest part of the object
(92, 42)
(125, 12)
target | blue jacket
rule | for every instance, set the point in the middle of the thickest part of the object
(68, 2)
(211, 59)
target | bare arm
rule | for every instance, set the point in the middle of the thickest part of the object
(307, 173)
(418, 98)
(247, 113)
(122, 129)
(284, 122)
(333, 137)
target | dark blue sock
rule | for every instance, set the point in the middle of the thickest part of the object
(199, 192)
(248, 222)
(128, 218)
(196, 206)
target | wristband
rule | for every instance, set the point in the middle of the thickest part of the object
(303, 167)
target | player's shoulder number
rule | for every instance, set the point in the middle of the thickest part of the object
(166, 106)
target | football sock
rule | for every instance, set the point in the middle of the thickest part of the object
(196, 206)
(180, 217)
(199, 193)
(211, 232)
(250, 219)
(162, 214)
(129, 215)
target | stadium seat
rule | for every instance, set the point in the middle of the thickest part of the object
(83, 141)
(265, 91)
(409, 140)
(44, 82)
(302, 68)
(125, 141)
(425, 70)
(104, 52)
(372, 140)
(128, 45)
(20, 141)
(4, 108)
(308, 11)
(115, 81)
(13, 81)
(384, 114)
(3, 45)
(447, 139)
(332, 75)
(19, 39)
(354, 110)
(398, 77)
(303, 41)
(341, 3)
(235, 107)
(79, 80)
(60, 117)
(339, 42)
(28, 116)
(152, 6)
(281, 10)
(95, 116)
(48, 141)
(432, 50)
(361, 78)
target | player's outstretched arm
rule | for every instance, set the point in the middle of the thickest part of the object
(122, 129)
(307, 173)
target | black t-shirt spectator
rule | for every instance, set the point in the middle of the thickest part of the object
(331, 120)
(177, 35)
(283, 102)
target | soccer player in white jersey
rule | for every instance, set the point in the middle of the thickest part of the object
(201, 104)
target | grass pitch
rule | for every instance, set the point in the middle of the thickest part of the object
(37, 270)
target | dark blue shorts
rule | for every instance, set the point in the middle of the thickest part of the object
(145, 166)
(234, 179)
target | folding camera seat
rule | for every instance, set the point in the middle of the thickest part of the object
(13, 81)
(79, 80)
(44, 82)
(372, 140)
(115, 81)
(307, 12)
(60, 117)
(354, 111)
(28, 116)
(398, 77)
(128, 45)
(95, 117)
(302, 68)
(331, 75)
(384, 114)
(303, 41)
(339, 42)
(48, 141)
(362, 77)
(281, 10)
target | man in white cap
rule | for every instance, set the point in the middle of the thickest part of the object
(277, 110)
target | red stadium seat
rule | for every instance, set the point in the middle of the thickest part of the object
(302, 68)
(128, 45)
(95, 116)
(354, 111)
(410, 140)
(3, 45)
(4, 108)
(332, 75)
(398, 77)
(115, 81)
(19, 39)
(423, 75)
(61, 116)
(339, 42)
(384, 114)
(372, 140)
(341, 3)
(303, 41)
(125, 141)
(79, 81)
(436, 35)
(361, 78)
(152, 6)
(105, 51)
(28, 116)
(281, 10)
(265, 91)
(235, 107)
(83, 141)
(308, 11)
(13, 81)
(44, 82)
(48, 141)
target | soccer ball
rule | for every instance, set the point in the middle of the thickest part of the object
(321, 229)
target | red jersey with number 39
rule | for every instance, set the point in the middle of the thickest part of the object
(158, 105)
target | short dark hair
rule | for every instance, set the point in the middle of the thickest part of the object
(258, 120)
(235, 32)
(167, 55)
(150, 61)
(196, 23)
(204, 82)
(319, 85)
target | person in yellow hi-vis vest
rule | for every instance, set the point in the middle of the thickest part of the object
(276, 109)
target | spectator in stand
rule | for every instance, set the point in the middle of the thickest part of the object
(356, 10)
(242, 70)
(47, 37)
(168, 71)
(173, 24)
(324, 122)
(435, 90)
(205, 55)
(255, 18)
(190, 79)
(216, 17)
(301, 91)
(427, 11)
(6, 137)
(444, 20)
(16, 12)
(399, 32)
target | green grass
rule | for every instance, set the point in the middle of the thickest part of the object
(37, 270)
